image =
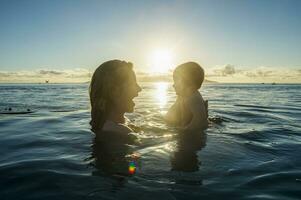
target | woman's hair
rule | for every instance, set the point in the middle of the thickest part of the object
(106, 78)
(192, 73)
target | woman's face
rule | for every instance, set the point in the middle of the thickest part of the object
(124, 95)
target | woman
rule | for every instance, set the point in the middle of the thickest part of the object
(112, 89)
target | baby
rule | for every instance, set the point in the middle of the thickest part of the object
(190, 111)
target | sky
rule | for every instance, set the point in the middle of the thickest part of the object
(233, 40)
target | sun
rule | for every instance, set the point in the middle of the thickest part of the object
(161, 61)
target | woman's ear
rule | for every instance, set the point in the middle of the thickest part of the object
(115, 92)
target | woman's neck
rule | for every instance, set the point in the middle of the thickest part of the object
(117, 117)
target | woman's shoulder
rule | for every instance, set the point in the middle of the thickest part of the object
(111, 126)
(115, 133)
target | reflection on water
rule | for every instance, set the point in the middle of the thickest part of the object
(185, 155)
(113, 155)
(161, 93)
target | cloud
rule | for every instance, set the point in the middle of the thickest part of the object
(227, 70)
(224, 73)
(224, 70)
(231, 73)
(50, 72)
(260, 72)
(72, 75)
(4, 74)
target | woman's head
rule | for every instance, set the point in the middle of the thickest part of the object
(112, 89)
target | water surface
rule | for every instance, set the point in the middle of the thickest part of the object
(252, 154)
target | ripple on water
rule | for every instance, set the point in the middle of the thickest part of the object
(253, 153)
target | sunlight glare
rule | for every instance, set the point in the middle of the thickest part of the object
(161, 61)
(161, 93)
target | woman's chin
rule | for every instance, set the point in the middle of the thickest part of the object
(132, 110)
(130, 107)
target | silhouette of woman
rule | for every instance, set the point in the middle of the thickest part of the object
(112, 89)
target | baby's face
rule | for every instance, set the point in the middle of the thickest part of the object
(178, 85)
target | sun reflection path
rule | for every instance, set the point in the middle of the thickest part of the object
(161, 93)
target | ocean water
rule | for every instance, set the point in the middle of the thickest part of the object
(251, 152)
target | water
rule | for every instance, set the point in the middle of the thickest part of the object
(253, 154)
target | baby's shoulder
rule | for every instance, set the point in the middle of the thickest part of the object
(196, 99)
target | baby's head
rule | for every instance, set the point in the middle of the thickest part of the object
(188, 77)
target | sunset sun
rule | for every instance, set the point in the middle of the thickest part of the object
(161, 61)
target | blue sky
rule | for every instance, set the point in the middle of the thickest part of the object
(63, 35)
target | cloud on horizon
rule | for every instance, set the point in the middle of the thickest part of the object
(231, 73)
(225, 73)
(74, 75)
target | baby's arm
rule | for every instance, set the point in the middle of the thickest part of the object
(199, 115)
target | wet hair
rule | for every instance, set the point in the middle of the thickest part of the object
(191, 73)
(108, 76)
